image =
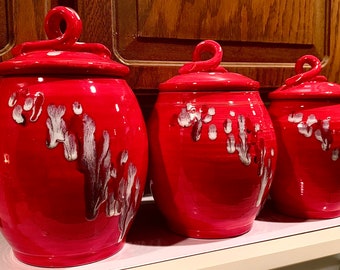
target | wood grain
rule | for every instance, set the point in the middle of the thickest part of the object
(6, 26)
(261, 39)
(332, 61)
(25, 20)
(250, 21)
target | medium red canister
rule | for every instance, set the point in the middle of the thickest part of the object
(212, 149)
(74, 149)
(306, 116)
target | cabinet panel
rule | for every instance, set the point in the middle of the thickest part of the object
(245, 21)
(261, 39)
(6, 26)
(250, 31)
(20, 21)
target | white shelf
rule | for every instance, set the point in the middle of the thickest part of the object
(274, 241)
(262, 255)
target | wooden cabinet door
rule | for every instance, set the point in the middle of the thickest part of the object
(261, 39)
(20, 21)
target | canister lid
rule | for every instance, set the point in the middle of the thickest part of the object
(205, 75)
(61, 54)
(307, 84)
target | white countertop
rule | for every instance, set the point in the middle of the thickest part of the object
(150, 245)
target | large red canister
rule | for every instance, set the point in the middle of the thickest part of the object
(212, 148)
(306, 115)
(74, 148)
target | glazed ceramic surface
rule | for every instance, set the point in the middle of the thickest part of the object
(305, 113)
(213, 149)
(74, 149)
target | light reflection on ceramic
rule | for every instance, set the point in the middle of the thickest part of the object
(305, 115)
(212, 149)
(74, 149)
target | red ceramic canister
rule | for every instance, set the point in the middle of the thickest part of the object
(73, 148)
(306, 116)
(212, 149)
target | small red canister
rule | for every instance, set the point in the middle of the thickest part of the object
(212, 149)
(74, 149)
(306, 116)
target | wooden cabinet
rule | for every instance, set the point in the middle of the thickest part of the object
(20, 21)
(261, 38)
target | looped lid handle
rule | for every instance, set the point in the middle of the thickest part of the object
(58, 40)
(199, 65)
(308, 84)
(305, 76)
(207, 75)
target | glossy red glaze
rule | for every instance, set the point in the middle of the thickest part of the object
(212, 156)
(305, 114)
(74, 157)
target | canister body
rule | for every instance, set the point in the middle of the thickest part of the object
(212, 159)
(74, 161)
(306, 182)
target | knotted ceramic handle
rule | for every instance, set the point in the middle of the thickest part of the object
(211, 64)
(312, 74)
(73, 28)
(58, 40)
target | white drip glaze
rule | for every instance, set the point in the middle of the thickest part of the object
(97, 169)
(212, 133)
(56, 125)
(17, 114)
